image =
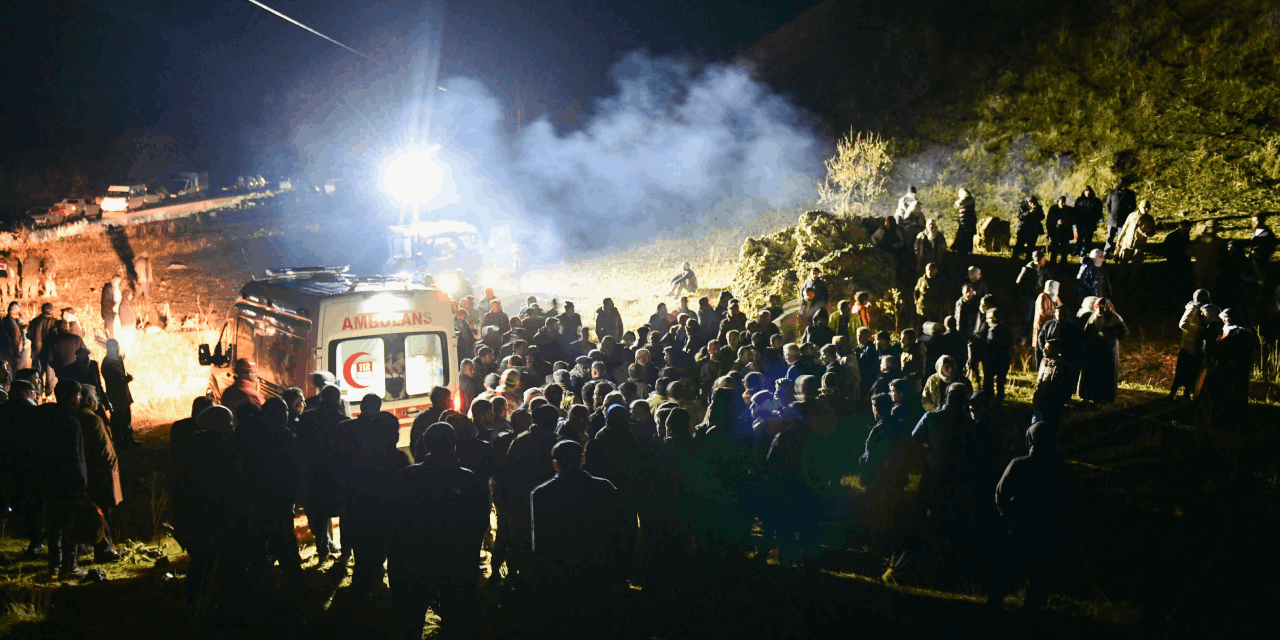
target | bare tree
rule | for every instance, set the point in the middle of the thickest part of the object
(856, 173)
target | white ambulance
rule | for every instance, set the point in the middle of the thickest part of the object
(379, 335)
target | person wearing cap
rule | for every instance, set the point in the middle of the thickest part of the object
(1088, 214)
(1037, 500)
(580, 529)
(244, 387)
(439, 514)
(117, 379)
(40, 331)
(1092, 279)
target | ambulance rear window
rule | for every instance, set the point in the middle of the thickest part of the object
(396, 366)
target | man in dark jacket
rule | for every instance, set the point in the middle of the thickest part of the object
(85, 371)
(1088, 214)
(118, 396)
(1036, 498)
(376, 471)
(61, 348)
(12, 341)
(822, 293)
(1121, 202)
(608, 321)
(570, 323)
(528, 464)
(997, 354)
(39, 332)
(20, 459)
(439, 515)
(580, 532)
(318, 435)
(63, 477)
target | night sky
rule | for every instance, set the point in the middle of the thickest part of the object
(83, 75)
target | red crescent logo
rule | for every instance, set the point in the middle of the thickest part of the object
(346, 370)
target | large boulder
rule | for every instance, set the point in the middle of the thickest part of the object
(993, 235)
(779, 263)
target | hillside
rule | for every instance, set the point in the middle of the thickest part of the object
(1180, 96)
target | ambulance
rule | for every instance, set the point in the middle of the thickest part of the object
(376, 334)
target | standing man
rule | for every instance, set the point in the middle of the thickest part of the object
(439, 514)
(997, 354)
(142, 274)
(1132, 242)
(12, 340)
(111, 306)
(117, 380)
(1036, 499)
(1262, 239)
(1059, 224)
(64, 477)
(1088, 214)
(1121, 202)
(966, 224)
(579, 526)
(821, 292)
(40, 332)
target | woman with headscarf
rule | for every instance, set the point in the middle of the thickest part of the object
(1046, 303)
(1103, 331)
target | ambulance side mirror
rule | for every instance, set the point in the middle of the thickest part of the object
(206, 358)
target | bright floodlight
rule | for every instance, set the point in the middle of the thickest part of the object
(414, 177)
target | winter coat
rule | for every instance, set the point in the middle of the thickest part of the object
(608, 323)
(1030, 223)
(1088, 212)
(1120, 203)
(102, 468)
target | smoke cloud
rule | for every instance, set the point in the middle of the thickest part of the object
(675, 150)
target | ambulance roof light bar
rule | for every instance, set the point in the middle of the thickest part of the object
(284, 272)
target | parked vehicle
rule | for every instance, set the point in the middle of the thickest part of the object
(44, 217)
(376, 334)
(80, 208)
(122, 199)
(189, 183)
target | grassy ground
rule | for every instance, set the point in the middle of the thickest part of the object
(1153, 560)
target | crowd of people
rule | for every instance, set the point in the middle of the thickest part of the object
(606, 453)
